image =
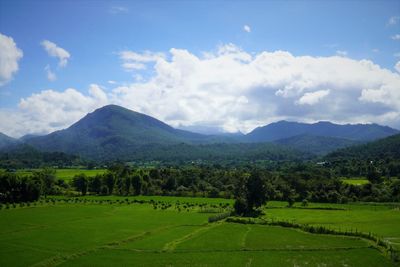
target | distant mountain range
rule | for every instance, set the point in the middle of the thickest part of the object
(114, 132)
(286, 129)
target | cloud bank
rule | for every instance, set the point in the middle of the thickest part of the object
(229, 90)
(10, 54)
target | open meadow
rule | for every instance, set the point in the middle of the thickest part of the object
(64, 174)
(172, 231)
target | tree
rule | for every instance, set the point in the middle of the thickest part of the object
(137, 184)
(80, 182)
(46, 178)
(95, 184)
(250, 193)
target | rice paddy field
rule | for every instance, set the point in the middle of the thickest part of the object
(355, 181)
(65, 174)
(118, 231)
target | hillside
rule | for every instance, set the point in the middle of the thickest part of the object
(318, 145)
(6, 140)
(387, 148)
(285, 129)
(113, 130)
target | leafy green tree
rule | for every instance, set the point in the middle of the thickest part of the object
(251, 193)
(46, 177)
(80, 182)
(137, 184)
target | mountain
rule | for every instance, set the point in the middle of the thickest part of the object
(384, 149)
(318, 145)
(27, 137)
(285, 129)
(6, 140)
(114, 131)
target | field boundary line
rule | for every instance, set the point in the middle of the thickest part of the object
(61, 258)
(244, 250)
(170, 246)
(244, 238)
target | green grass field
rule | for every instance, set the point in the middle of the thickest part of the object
(382, 220)
(93, 234)
(65, 174)
(355, 181)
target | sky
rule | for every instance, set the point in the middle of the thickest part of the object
(206, 66)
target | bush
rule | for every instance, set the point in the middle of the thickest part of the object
(218, 217)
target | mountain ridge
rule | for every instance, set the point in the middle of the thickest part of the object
(284, 129)
(116, 132)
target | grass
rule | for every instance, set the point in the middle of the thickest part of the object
(382, 220)
(65, 174)
(355, 181)
(78, 234)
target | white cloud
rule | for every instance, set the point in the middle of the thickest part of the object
(138, 61)
(50, 110)
(396, 37)
(246, 28)
(397, 66)
(51, 76)
(118, 10)
(10, 54)
(236, 90)
(313, 98)
(54, 51)
(375, 50)
(231, 89)
(393, 20)
(341, 53)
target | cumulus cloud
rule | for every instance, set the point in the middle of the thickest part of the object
(138, 61)
(10, 54)
(313, 98)
(236, 90)
(55, 51)
(51, 76)
(395, 37)
(246, 28)
(393, 20)
(50, 110)
(232, 90)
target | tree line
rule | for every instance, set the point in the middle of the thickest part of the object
(291, 182)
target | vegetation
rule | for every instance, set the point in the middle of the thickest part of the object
(198, 200)
(66, 231)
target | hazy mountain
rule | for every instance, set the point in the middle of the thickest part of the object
(318, 145)
(285, 129)
(27, 137)
(6, 140)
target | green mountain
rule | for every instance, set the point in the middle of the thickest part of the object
(318, 145)
(286, 129)
(6, 140)
(114, 131)
(386, 148)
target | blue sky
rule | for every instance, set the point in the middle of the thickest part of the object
(96, 33)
